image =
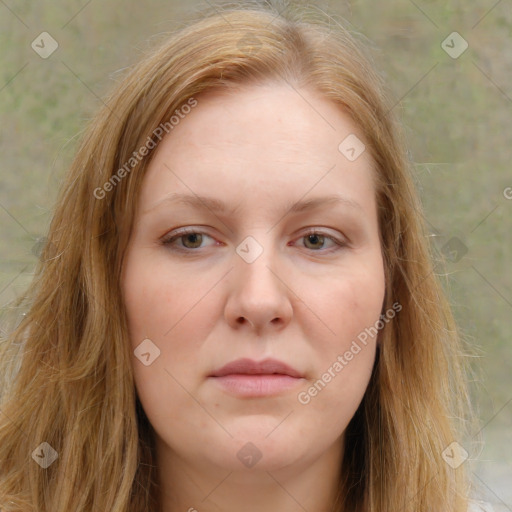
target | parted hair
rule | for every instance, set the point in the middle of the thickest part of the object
(67, 363)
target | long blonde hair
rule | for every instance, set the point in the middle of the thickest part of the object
(67, 364)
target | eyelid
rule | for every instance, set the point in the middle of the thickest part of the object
(179, 232)
(321, 231)
(340, 242)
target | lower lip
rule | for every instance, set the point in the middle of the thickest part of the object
(257, 385)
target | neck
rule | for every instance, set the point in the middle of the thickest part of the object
(190, 486)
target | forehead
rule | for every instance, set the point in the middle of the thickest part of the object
(272, 117)
(271, 141)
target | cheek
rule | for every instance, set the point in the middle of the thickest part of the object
(350, 310)
(344, 361)
(175, 312)
(159, 300)
(166, 309)
(348, 304)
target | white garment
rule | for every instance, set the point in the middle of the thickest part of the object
(480, 506)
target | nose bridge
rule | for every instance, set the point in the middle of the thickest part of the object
(259, 296)
(256, 261)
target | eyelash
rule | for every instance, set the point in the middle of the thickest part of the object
(168, 240)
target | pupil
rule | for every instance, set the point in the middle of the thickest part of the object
(315, 239)
(193, 238)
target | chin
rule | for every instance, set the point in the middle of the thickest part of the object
(260, 446)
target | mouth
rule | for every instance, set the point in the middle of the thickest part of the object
(250, 379)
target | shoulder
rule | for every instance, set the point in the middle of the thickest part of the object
(479, 506)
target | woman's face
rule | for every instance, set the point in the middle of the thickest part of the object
(251, 174)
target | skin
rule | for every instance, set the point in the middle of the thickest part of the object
(302, 301)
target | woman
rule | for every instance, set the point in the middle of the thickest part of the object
(237, 305)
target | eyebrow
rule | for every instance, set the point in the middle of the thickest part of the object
(217, 206)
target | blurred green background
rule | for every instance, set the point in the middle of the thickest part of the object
(456, 111)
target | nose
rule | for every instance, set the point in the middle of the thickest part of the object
(259, 295)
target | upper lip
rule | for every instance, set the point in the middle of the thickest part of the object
(250, 367)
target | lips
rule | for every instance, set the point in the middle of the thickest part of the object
(250, 367)
(245, 378)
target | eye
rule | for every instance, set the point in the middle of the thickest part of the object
(190, 239)
(315, 241)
